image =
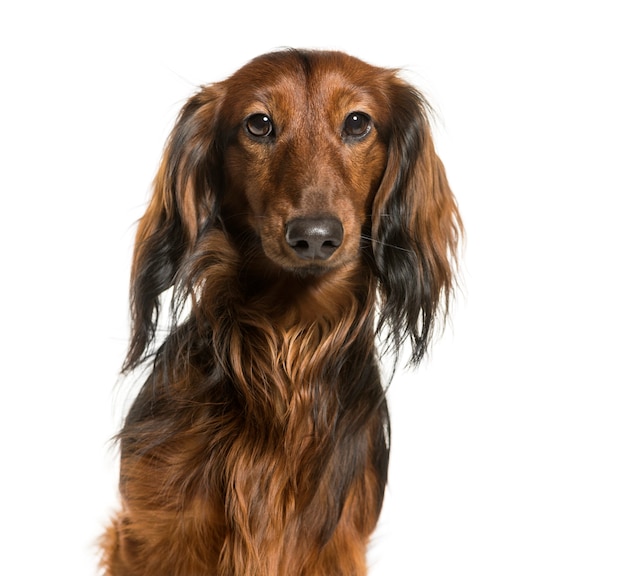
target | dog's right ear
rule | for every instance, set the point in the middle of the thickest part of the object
(183, 201)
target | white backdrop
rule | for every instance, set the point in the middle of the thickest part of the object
(509, 442)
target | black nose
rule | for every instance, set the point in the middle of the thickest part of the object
(314, 238)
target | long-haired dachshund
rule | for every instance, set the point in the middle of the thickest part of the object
(300, 216)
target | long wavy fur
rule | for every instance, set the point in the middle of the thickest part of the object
(259, 443)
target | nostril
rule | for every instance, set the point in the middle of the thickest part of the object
(314, 238)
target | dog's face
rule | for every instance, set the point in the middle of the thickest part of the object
(311, 163)
(306, 157)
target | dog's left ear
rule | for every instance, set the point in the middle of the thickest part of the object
(184, 198)
(415, 226)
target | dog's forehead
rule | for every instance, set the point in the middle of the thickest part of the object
(306, 65)
(296, 80)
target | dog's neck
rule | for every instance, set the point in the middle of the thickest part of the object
(286, 331)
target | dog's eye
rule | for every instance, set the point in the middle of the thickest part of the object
(259, 125)
(357, 125)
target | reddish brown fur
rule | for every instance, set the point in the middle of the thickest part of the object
(258, 445)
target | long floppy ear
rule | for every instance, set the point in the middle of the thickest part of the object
(182, 202)
(415, 227)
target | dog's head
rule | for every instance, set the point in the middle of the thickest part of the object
(312, 161)
(306, 156)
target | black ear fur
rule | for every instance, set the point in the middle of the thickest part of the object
(415, 228)
(183, 203)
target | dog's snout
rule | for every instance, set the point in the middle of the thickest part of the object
(314, 238)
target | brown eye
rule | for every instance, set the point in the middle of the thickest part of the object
(356, 125)
(259, 125)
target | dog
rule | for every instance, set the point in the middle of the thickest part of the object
(301, 227)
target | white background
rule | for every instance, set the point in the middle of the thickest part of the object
(509, 441)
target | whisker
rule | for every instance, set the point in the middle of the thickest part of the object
(386, 244)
